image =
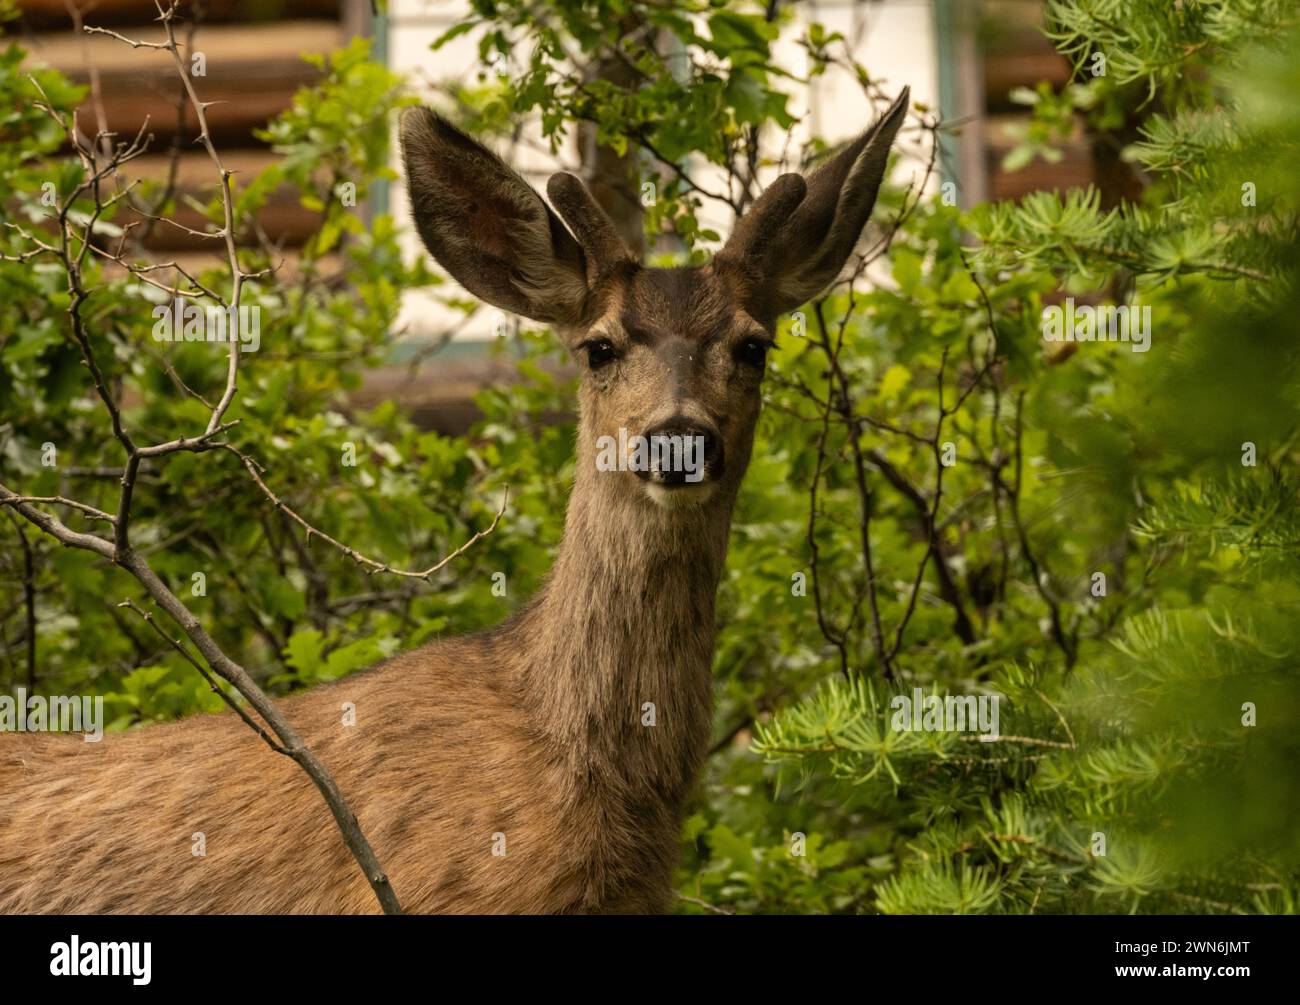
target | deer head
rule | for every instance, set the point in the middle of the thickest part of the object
(672, 359)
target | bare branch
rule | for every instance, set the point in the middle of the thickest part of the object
(371, 564)
(216, 689)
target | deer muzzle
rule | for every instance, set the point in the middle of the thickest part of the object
(682, 452)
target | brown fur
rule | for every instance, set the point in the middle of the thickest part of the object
(532, 730)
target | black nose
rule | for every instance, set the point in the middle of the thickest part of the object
(681, 451)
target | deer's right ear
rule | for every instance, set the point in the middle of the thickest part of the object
(489, 228)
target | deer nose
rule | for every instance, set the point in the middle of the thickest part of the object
(682, 451)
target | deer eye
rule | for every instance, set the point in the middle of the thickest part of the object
(753, 352)
(600, 351)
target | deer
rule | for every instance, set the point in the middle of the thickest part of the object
(513, 770)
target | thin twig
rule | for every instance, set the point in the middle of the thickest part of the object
(356, 556)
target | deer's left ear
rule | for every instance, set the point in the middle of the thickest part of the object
(494, 233)
(795, 240)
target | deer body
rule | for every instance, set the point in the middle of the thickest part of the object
(516, 769)
(532, 731)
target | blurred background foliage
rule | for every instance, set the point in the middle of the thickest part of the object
(1148, 758)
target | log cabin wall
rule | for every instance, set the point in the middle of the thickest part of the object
(252, 53)
(1015, 53)
(985, 50)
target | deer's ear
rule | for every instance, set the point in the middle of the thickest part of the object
(489, 228)
(795, 240)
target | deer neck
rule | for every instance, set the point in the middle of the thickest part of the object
(618, 646)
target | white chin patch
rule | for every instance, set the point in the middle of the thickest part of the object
(681, 497)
